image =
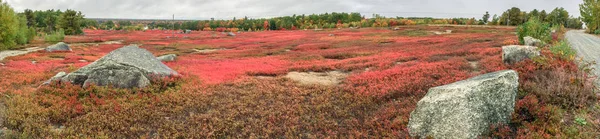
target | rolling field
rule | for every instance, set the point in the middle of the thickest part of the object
(299, 83)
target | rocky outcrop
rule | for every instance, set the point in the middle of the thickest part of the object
(530, 41)
(126, 67)
(467, 108)
(167, 58)
(514, 53)
(61, 46)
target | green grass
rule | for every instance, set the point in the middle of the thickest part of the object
(563, 50)
(413, 33)
(55, 37)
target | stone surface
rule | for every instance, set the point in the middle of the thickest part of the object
(61, 46)
(467, 108)
(230, 34)
(126, 67)
(530, 41)
(167, 58)
(56, 77)
(514, 53)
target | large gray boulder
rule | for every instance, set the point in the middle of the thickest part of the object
(465, 109)
(530, 41)
(126, 67)
(61, 46)
(167, 58)
(514, 53)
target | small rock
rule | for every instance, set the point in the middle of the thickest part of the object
(56, 77)
(331, 35)
(530, 41)
(467, 108)
(61, 46)
(514, 53)
(34, 62)
(83, 61)
(448, 31)
(167, 58)
(397, 28)
(230, 34)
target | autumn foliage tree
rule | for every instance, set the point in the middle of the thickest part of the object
(590, 13)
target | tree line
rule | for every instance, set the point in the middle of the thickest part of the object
(22, 28)
(511, 17)
(515, 16)
(70, 21)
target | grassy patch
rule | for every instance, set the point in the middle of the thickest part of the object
(563, 50)
(412, 33)
(55, 37)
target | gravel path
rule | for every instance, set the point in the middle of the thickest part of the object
(9, 53)
(587, 47)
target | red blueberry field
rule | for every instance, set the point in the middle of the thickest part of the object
(340, 83)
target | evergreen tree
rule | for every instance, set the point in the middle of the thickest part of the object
(70, 22)
(30, 16)
(486, 17)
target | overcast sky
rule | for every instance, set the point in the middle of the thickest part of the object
(227, 9)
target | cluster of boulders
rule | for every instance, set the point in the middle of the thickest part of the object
(467, 109)
(126, 67)
(515, 53)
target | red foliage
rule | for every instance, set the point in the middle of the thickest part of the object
(220, 29)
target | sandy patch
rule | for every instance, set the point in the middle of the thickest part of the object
(322, 78)
(474, 65)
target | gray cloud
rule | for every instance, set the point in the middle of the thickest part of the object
(227, 9)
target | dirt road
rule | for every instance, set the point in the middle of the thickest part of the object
(587, 47)
(9, 53)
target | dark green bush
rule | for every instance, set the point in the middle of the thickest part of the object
(536, 29)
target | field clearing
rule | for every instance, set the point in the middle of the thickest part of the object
(237, 86)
